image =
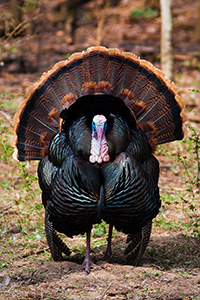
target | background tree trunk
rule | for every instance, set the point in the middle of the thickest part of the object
(167, 59)
(197, 26)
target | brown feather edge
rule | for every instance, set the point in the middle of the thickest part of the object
(31, 92)
(161, 75)
(150, 67)
(170, 84)
(38, 84)
(112, 51)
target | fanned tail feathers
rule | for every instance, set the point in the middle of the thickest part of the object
(143, 88)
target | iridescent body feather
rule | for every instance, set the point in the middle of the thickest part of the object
(94, 121)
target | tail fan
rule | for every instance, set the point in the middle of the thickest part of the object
(143, 89)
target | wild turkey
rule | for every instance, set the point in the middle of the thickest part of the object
(94, 121)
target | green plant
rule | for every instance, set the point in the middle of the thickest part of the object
(18, 183)
(191, 174)
(99, 229)
(144, 12)
(188, 158)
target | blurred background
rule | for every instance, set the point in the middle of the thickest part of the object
(36, 34)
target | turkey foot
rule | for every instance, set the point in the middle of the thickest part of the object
(87, 263)
(108, 255)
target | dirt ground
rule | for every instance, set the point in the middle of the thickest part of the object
(170, 267)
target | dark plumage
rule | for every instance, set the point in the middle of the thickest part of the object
(94, 122)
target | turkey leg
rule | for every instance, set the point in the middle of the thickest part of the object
(108, 255)
(87, 263)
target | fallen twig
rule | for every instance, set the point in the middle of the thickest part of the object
(17, 28)
(167, 166)
(5, 115)
(6, 208)
(105, 291)
(31, 252)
